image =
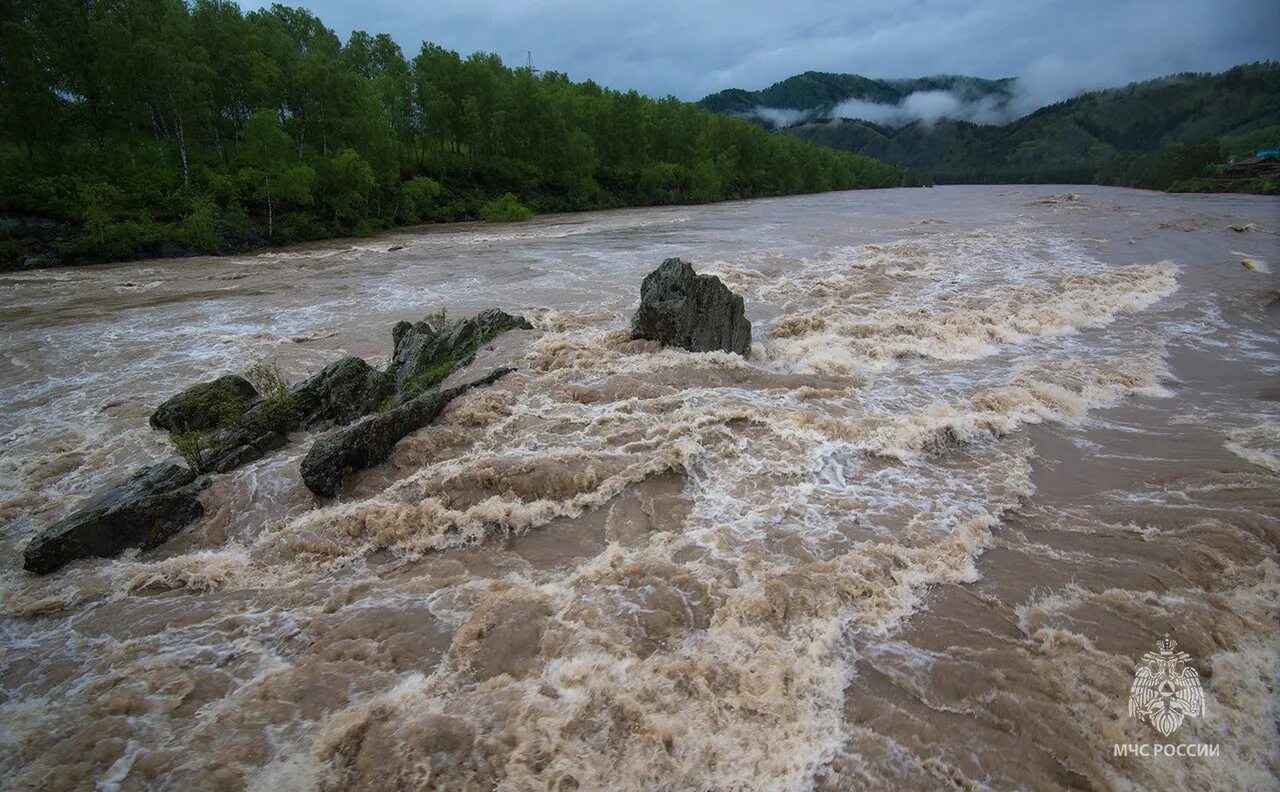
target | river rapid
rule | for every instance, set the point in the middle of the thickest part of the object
(992, 443)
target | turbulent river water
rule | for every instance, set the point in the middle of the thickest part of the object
(992, 443)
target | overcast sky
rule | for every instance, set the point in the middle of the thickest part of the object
(693, 47)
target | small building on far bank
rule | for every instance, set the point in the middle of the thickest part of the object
(1264, 166)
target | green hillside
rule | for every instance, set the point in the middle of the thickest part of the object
(1149, 134)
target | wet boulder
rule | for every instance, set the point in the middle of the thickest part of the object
(369, 442)
(338, 394)
(427, 352)
(206, 405)
(679, 307)
(142, 511)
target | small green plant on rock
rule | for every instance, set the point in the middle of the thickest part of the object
(437, 319)
(191, 446)
(272, 414)
(427, 378)
(266, 378)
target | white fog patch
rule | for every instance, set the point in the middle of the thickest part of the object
(929, 107)
(875, 112)
(780, 116)
(1047, 82)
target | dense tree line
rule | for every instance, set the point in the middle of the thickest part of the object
(143, 123)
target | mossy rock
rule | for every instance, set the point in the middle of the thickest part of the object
(429, 351)
(338, 394)
(206, 406)
(142, 511)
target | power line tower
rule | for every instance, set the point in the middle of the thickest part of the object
(529, 63)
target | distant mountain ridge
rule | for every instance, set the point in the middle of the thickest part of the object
(822, 92)
(1096, 136)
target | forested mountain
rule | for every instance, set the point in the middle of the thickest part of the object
(820, 94)
(1148, 134)
(134, 127)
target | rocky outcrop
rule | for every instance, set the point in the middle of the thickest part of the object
(143, 511)
(206, 405)
(225, 423)
(369, 442)
(27, 241)
(338, 394)
(425, 353)
(679, 307)
(19, 226)
(158, 501)
(429, 351)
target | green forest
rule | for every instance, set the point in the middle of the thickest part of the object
(1175, 132)
(133, 128)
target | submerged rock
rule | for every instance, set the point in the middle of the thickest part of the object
(679, 307)
(428, 352)
(142, 511)
(206, 405)
(370, 441)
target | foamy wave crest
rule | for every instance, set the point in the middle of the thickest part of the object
(851, 334)
(1063, 395)
(638, 671)
(403, 519)
(207, 570)
(1258, 445)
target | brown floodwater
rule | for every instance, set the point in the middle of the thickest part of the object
(992, 443)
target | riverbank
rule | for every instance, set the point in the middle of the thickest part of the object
(34, 241)
(29, 242)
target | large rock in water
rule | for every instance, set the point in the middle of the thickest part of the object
(206, 405)
(338, 394)
(427, 352)
(370, 441)
(679, 307)
(142, 511)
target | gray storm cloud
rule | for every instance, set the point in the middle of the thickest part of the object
(692, 49)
